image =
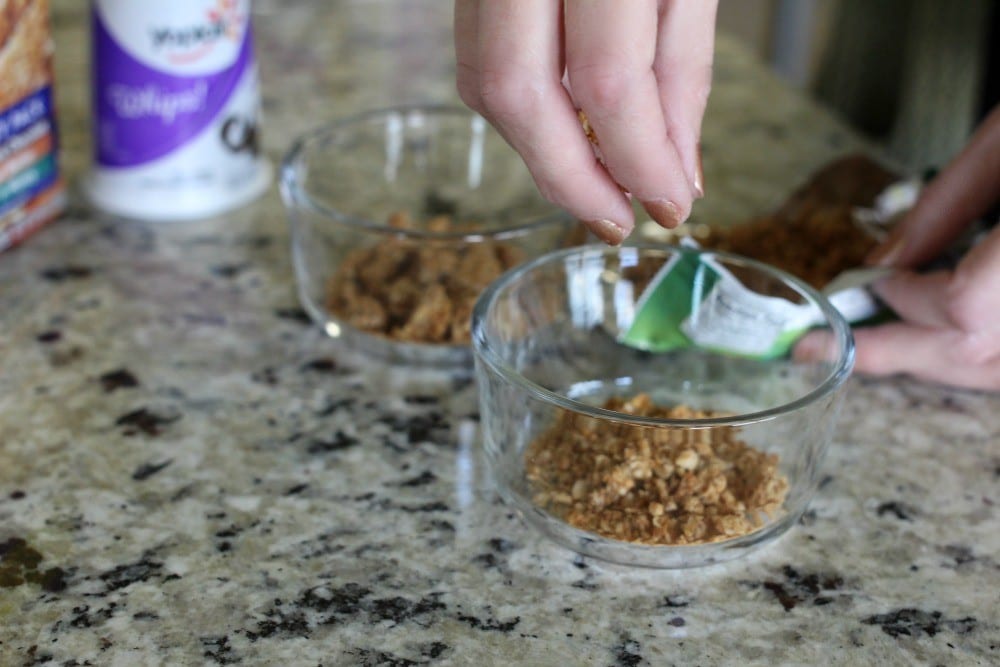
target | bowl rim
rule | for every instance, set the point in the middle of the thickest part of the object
(486, 354)
(294, 192)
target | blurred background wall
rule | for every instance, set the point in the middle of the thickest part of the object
(913, 75)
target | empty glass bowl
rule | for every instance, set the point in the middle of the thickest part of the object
(549, 339)
(406, 207)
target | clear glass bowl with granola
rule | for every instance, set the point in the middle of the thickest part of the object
(400, 217)
(660, 457)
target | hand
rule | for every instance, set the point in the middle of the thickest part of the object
(950, 328)
(641, 71)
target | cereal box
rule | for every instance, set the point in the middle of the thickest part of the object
(31, 191)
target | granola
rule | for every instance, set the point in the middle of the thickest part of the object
(417, 291)
(653, 485)
(813, 235)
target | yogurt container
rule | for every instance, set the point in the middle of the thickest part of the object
(176, 109)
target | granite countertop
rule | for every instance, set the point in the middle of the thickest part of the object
(191, 473)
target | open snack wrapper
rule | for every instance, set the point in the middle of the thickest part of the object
(694, 300)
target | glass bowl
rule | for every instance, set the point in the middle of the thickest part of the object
(549, 341)
(344, 187)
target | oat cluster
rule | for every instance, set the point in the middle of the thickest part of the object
(417, 290)
(653, 485)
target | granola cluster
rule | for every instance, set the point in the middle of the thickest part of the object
(655, 485)
(417, 290)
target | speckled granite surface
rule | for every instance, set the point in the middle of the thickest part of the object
(206, 479)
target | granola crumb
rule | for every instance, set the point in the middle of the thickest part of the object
(588, 130)
(585, 124)
(653, 485)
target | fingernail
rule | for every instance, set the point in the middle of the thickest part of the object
(887, 253)
(607, 231)
(664, 211)
(699, 175)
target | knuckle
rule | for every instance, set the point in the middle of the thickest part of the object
(602, 87)
(977, 349)
(508, 92)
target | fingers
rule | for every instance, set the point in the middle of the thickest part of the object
(641, 73)
(519, 90)
(950, 331)
(937, 355)
(960, 194)
(683, 68)
(967, 299)
(610, 50)
(951, 327)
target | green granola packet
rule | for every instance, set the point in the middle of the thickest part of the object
(695, 300)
